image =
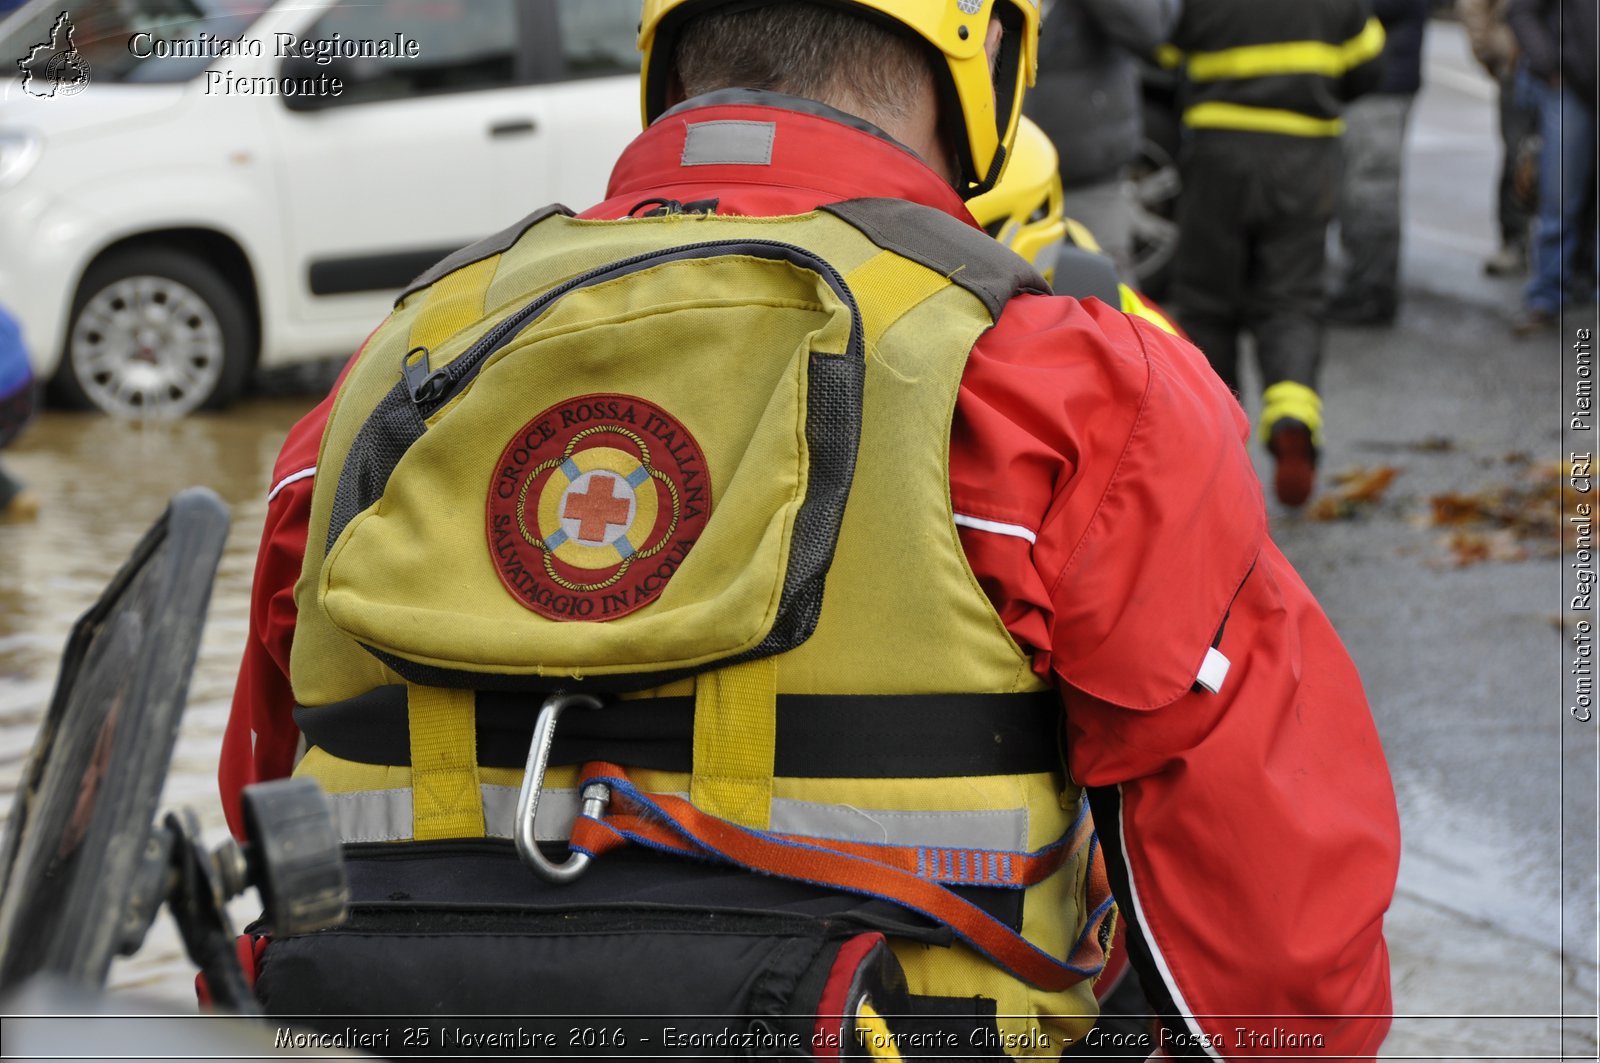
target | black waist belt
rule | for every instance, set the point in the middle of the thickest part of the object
(827, 736)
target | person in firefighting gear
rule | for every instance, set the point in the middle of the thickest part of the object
(1264, 86)
(770, 558)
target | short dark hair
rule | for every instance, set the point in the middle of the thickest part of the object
(817, 51)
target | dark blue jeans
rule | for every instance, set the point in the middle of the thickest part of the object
(1566, 183)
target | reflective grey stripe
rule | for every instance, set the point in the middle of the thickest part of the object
(372, 815)
(736, 142)
(1005, 828)
(782, 101)
(385, 816)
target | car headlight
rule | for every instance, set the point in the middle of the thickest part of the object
(19, 150)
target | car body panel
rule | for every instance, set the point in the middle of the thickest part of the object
(320, 202)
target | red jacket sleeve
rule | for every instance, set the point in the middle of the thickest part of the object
(1252, 833)
(261, 741)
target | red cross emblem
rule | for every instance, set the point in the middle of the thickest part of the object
(593, 506)
(596, 508)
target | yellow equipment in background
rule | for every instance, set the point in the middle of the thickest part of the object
(1024, 212)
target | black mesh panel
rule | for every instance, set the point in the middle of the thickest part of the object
(378, 448)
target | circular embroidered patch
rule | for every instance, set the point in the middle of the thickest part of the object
(594, 505)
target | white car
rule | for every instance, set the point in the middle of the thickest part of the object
(171, 218)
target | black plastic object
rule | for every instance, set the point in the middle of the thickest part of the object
(78, 845)
(295, 860)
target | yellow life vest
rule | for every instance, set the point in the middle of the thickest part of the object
(638, 480)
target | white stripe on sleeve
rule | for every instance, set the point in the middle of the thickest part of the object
(303, 474)
(1016, 531)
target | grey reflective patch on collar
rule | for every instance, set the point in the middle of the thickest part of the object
(736, 142)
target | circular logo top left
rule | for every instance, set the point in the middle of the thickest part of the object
(594, 504)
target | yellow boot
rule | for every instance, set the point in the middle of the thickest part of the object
(1291, 425)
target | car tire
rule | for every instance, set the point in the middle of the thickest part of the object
(155, 333)
(1158, 184)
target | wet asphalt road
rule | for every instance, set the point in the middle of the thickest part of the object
(1493, 931)
(1466, 665)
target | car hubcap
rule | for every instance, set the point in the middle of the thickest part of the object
(147, 347)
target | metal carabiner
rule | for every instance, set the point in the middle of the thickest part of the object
(595, 797)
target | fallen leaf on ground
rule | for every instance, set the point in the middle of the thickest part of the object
(1509, 521)
(1470, 547)
(1356, 489)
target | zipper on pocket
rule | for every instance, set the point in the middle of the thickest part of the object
(422, 380)
(430, 389)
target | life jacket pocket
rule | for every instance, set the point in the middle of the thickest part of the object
(516, 515)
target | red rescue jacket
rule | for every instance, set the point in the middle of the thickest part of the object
(1108, 506)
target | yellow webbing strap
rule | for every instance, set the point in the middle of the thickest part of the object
(453, 303)
(886, 287)
(735, 737)
(445, 799)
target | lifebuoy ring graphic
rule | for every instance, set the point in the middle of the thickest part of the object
(594, 504)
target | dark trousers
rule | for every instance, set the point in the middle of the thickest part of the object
(1369, 200)
(1252, 232)
(1565, 226)
(1516, 195)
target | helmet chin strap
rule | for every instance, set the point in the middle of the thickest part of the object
(990, 179)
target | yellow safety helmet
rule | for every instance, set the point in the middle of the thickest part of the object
(1024, 211)
(988, 105)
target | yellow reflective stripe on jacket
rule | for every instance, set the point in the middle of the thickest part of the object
(1219, 115)
(1288, 57)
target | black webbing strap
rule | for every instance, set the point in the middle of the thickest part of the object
(820, 736)
(969, 257)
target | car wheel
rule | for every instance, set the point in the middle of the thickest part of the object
(1158, 183)
(1155, 229)
(154, 333)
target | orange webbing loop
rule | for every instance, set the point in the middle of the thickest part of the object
(897, 873)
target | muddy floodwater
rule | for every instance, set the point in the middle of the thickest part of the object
(101, 483)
